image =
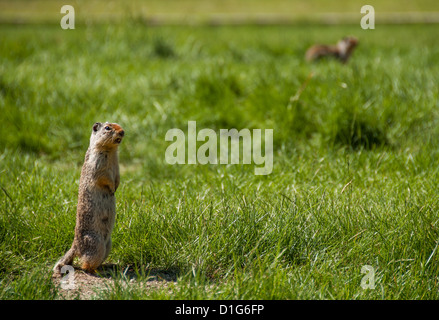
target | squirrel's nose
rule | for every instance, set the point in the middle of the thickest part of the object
(121, 133)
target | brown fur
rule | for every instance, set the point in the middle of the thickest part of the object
(341, 51)
(96, 210)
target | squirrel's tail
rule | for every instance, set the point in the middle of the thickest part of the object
(67, 259)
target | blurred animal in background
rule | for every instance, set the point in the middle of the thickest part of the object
(341, 51)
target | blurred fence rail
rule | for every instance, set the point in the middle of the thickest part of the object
(218, 12)
(230, 19)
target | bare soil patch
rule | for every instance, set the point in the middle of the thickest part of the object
(86, 286)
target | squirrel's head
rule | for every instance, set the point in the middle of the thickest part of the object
(352, 41)
(106, 135)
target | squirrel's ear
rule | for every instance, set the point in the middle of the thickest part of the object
(96, 126)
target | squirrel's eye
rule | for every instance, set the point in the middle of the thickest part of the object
(107, 128)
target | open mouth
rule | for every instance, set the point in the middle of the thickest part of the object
(118, 140)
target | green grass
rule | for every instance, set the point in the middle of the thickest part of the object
(355, 171)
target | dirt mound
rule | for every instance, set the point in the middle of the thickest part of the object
(85, 286)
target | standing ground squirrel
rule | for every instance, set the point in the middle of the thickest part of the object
(96, 208)
(342, 50)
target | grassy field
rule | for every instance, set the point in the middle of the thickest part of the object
(354, 182)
